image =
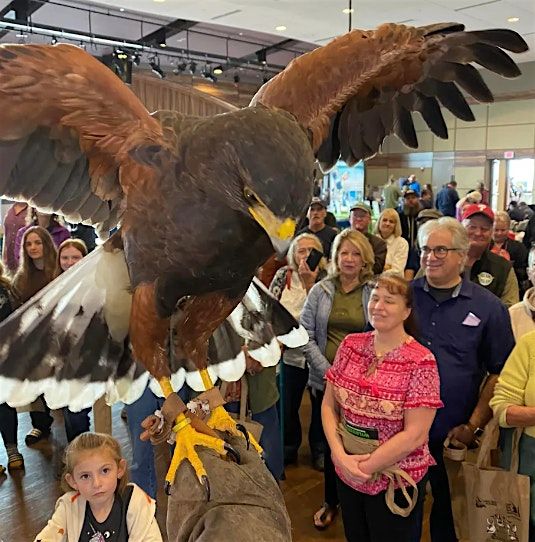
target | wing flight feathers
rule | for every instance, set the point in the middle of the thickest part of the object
(364, 85)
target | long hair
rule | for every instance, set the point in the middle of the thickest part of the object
(362, 244)
(27, 270)
(87, 442)
(389, 213)
(78, 244)
(396, 285)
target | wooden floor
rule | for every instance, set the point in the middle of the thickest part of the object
(27, 498)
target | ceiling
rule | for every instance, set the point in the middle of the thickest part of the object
(239, 34)
(317, 21)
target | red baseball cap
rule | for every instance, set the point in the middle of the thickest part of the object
(477, 209)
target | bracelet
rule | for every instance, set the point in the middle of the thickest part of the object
(181, 424)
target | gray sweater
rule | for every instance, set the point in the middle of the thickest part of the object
(315, 319)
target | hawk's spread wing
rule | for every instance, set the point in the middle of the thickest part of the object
(364, 85)
(68, 125)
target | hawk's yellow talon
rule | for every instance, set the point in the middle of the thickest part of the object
(221, 420)
(187, 440)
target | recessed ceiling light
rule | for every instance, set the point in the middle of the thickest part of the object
(163, 44)
(121, 9)
(158, 1)
(347, 11)
(280, 28)
(513, 19)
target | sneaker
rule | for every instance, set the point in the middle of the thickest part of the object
(34, 436)
(15, 461)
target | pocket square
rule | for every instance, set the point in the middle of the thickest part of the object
(471, 320)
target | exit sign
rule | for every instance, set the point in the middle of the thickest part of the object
(509, 154)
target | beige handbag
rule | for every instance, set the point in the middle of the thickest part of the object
(355, 445)
(498, 506)
(245, 416)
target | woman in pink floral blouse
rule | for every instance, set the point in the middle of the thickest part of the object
(382, 392)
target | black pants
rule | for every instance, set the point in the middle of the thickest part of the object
(367, 518)
(76, 423)
(42, 420)
(295, 381)
(329, 474)
(8, 424)
(316, 438)
(441, 519)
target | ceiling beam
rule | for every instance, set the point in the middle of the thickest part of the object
(167, 31)
(23, 10)
(261, 54)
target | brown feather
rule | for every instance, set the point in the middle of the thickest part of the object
(410, 64)
(64, 87)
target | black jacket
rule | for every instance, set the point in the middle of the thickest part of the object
(519, 259)
(529, 236)
(491, 272)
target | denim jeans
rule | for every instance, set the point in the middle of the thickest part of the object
(270, 439)
(143, 469)
(295, 381)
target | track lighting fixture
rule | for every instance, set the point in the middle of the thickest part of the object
(154, 63)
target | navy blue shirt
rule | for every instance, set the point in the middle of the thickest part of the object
(470, 335)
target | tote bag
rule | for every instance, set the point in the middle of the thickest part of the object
(497, 499)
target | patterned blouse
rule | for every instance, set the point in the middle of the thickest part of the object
(406, 378)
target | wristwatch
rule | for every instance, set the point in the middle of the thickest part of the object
(478, 431)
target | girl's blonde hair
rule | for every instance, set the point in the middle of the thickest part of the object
(392, 214)
(87, 442)
(362, 245)
(293, 264)
(78, 244)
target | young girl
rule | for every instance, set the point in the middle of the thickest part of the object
(36, 269)
(70, 251)
(103, 507)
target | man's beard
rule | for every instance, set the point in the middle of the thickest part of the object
(410, 210)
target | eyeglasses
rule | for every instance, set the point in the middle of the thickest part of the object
(439, 252)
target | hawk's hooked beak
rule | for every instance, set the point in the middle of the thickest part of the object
(280, 231)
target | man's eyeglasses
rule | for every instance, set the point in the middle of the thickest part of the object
(439, 252)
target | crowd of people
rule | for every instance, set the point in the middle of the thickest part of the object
(409, 329)
(412, 332)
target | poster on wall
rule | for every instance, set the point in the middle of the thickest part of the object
(343, 187)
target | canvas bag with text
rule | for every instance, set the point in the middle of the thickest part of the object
(497, 499)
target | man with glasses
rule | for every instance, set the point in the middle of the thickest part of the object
(485, 268)
(469, 332)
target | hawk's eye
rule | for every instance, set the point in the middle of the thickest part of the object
(249, 195)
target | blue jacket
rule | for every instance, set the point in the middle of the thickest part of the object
(315, 319)
(447, 198)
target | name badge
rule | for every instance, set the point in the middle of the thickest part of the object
(368, 433)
